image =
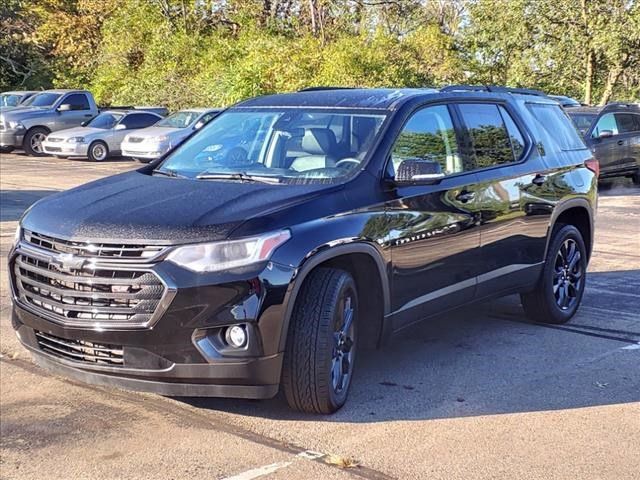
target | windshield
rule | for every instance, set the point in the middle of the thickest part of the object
(582, 120)
(281, 145)
(9, 100)
(42, 100)
(105, 120)
(178, 120)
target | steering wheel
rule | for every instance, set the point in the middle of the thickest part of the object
(345, 161)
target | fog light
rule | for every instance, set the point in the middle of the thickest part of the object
(236, 336)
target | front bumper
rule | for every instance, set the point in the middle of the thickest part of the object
(66, 149)
(11, 138)
(147, 151)
(181, 352)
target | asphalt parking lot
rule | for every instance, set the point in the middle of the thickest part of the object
(479, 393)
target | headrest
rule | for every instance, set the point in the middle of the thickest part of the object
(318, 141)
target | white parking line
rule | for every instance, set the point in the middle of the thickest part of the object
(635, 346)
(259, 472)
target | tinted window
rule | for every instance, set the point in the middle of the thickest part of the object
(606, 123)
(627, 122)
(105, 120)
(556, 123)
(139, 120)
(515, 135)
(429, 136)
(490, 140)
(78, 101)
(582, 120)
(42, 99)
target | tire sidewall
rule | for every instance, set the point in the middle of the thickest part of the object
(92, 146)
(564, 233)
(26, 143)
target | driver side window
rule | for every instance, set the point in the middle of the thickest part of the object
(429, 136)
(606, 122)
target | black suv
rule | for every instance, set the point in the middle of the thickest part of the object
(295, 229)
(613, 133)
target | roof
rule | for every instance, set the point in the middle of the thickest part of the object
(64, 90)
(378, 98)
(126, 111)
(18, 92)
(374, 98)
(610, 107)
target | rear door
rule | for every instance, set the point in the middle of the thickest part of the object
(629, 133)
(434, 236)
(512, 228)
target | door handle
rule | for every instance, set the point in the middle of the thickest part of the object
(539, 180)
(620, 142)
(465, 195)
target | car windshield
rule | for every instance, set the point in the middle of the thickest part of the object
(582, 120)
(9, 100)
(42, 99)
(178, 120)
(278, 146)
(105, 120)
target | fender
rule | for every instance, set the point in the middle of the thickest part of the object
(563, 207)
(321, 255)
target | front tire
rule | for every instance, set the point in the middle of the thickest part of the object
(32, 142)
(636, 177)
(321, 343)
(559, 291)
(98, 151)
(143, 160)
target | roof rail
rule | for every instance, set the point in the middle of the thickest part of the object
(621, 105)
(493, 89)
(319, 89)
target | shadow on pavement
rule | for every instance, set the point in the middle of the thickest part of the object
(487, 359)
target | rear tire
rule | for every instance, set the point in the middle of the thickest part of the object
(98, 151)
(32, 143)
(636, 177)
(321, 342)
(559, 291)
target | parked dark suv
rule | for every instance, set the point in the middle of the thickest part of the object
(613, 133)
(340, 217)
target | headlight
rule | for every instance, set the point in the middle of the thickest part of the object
(217, 256)
(17, 236)
(75, 140)
(15, 125)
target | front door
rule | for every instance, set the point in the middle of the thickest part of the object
(608, 146)
(434, 237)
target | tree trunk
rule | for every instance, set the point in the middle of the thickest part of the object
(312, 16)
(588, 81)
(612, 79)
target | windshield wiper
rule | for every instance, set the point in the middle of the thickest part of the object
(168, 173)
(239, 176)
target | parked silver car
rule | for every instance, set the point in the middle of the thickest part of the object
(99, 137)
(153, 142)
(14, 98)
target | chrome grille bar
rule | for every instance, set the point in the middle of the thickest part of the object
(79, 350)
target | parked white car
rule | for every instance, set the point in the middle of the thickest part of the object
(100, 137)
(148, 144)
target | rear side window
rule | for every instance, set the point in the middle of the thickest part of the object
(490, 140)
(78, 101)
(556, 123)
(627, 122)
(515, 135)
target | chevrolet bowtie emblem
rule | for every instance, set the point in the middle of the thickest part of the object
(67, 262)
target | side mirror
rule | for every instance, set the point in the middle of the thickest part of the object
(418, 170)
(605, 134)
(120, 126)
(198, 125)
(65, 107)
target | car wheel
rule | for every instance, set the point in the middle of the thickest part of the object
(559, 291)
(32, 143)
(143, 160)
(63, 157)
(98, 151)
(636, 177)
(321, 342)
(6, 149)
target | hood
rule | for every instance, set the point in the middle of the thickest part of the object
(139, 208)
(77, 132)
(22, 113)
(151, 132)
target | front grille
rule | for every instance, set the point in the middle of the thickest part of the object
(80, 350)
(77, 289)
(54, 139)
(106, 250)
(136, 139)
(53, 149)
